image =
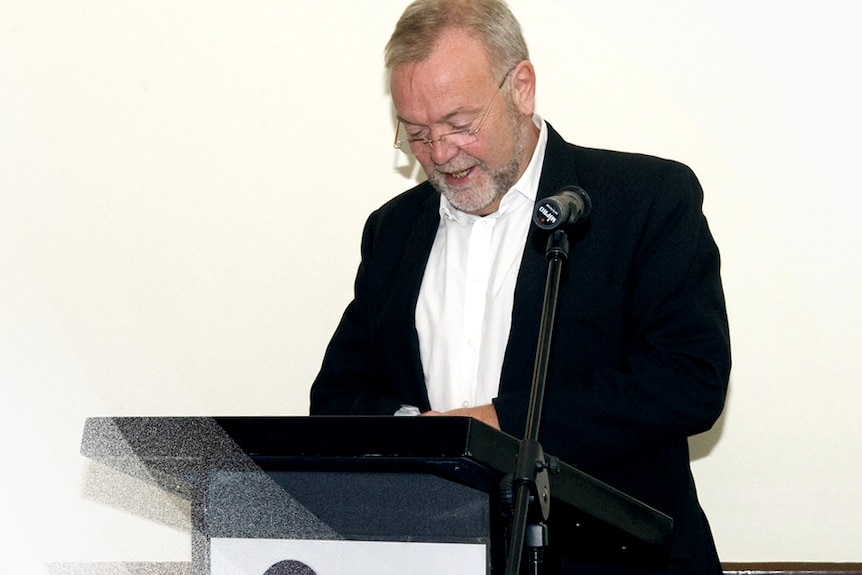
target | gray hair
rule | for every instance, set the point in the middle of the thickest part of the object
(423, 21)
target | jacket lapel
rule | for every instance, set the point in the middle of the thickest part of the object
(519, 359)
(400, 307)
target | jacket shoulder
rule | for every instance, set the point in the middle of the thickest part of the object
(598, 166)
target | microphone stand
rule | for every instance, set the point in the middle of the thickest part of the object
(530, 484)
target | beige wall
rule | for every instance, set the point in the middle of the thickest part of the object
(183, 185)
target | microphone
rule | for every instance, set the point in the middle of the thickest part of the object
(568, 206)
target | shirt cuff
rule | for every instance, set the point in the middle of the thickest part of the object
(408, 410)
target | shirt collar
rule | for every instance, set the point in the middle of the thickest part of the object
(526, 186)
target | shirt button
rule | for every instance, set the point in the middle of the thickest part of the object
(466, 404)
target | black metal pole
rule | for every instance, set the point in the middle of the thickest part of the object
(530, 485)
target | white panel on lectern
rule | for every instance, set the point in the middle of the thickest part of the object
(236, 556)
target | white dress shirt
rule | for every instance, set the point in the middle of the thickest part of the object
(464, 311)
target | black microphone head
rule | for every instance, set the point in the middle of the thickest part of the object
(568, 206)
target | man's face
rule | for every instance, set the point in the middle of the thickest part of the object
(448, 92)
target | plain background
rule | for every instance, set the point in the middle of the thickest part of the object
(183, 186)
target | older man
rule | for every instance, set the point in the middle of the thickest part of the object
(445, 317)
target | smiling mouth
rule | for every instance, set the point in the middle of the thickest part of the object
(461, 174)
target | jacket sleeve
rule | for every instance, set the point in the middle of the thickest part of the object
(348, 382)
(372, 364)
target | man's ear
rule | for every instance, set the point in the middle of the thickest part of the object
(524, 87)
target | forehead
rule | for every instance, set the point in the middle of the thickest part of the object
(455, 78)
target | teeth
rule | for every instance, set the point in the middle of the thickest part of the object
(460, 174)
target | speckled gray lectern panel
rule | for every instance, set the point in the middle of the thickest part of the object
(345, 505)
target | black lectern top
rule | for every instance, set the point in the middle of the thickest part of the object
(179, 452)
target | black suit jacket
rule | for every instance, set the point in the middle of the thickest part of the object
(640, 356)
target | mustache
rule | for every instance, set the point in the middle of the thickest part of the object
(459, 163)
(455, 167)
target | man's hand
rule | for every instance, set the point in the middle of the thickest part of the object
(484, 413)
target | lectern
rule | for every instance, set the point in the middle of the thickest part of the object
(333, 495)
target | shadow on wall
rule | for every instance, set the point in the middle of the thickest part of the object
(116, 489)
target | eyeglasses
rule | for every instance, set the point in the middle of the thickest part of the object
(458, 138)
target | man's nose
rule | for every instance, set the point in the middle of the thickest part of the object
(442, 151)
